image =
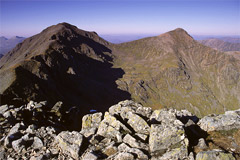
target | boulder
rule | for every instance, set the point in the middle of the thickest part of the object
(167, 140)
(229, 120)
(124, 107)
(110, 127)
(90, 123)
(3, 109)
(13, 134)
(122, 156)
(89, 156)
(18, 145)
(215, 154)
(110, 150)
(143, 137)
(37, 143)
(137, 123)
(202, 144)
(70, 143)
(125, 148)
(163, 115)
(128, 139)
(173, 154)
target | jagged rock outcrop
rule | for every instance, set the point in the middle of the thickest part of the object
(126, 131)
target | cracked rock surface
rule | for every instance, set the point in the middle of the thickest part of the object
(127, 130)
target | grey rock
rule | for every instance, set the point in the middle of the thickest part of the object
(30, 105)
(16, 128)
(137, 123)
(115, 109)
(128, 139)
(27, 137)
(189, 123)
(110, 150)
(13, 134)
(57, 107)
(70, 143)
(18, 145)
(144, 111)
(40, 157)
(202, 144)
(124, 156)
(3, 109)
(31, 129)
(125, 148)
(164, 116)
(229, 120)
(128, 105)
(173, 154)
(143, 137)
(110, 127)
(37, 143)
(89, 156)
(215, 154)
(191, 156)
(8, 114)
(50, 130)
(165, 138)
(90, 123)
(2, 155)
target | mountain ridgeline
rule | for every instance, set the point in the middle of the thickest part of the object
(82, 69)
(221, 45)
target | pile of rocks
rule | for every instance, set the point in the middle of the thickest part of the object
(127, 131)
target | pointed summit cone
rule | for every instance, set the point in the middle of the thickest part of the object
(174, 70)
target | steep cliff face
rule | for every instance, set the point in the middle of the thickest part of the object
(175, 70)
(81, 69)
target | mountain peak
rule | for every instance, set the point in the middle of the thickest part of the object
(17, 37)
(177, 34)
(180, 34)
(3, 38)
(179, 30)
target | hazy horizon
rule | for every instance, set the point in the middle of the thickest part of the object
(121, 38)
(111, 17)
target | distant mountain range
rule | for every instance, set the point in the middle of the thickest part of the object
(7, 44)
(82, 69)
(223, 44)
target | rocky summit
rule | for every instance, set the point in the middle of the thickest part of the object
(128, 130)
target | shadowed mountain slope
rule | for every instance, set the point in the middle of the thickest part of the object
(62, 63)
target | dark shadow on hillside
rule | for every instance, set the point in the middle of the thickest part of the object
(74, 42)
(90, 84)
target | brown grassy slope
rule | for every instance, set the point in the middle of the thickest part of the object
(174, 70)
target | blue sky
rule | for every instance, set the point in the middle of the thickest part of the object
(199, 17)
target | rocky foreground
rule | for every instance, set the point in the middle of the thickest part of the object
(127, 131)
